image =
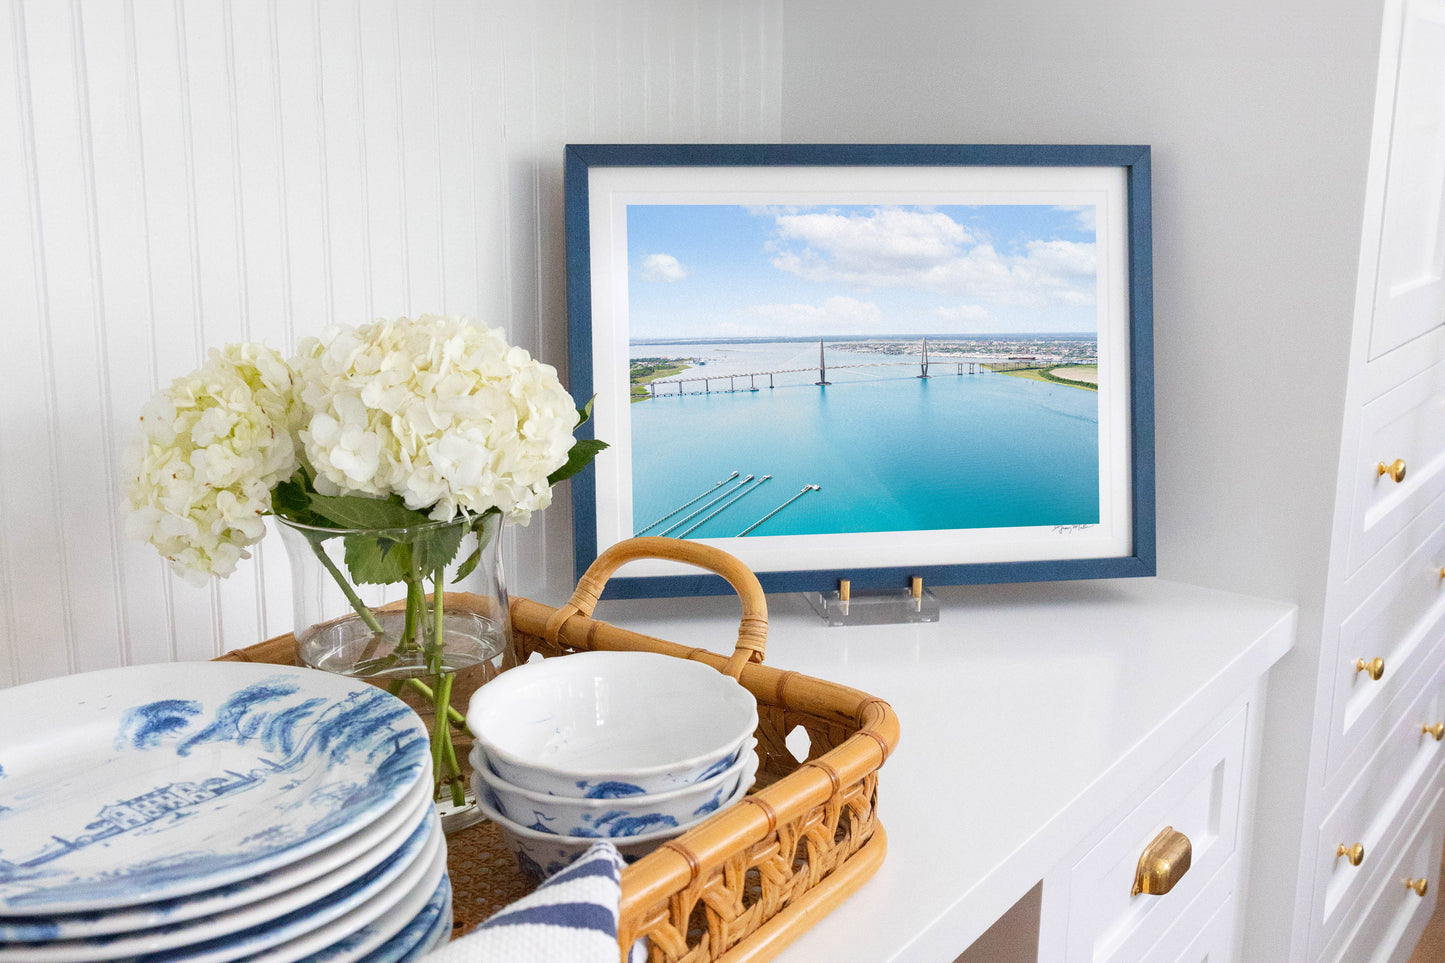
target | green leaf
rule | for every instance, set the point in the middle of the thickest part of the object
(377, 561)
(578, 458)
(479, 525)
(291, 500)
(359, 511)
(435, 549)
(584, 414)
(469, 565)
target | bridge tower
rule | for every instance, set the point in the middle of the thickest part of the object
(923, 368)
(822, 367)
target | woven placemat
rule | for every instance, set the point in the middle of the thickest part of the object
(484, 875)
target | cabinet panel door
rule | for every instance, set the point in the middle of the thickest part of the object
(1410, 285)
(1108, 923)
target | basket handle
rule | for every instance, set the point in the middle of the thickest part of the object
(752, 632)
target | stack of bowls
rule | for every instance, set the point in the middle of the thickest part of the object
(636, 747)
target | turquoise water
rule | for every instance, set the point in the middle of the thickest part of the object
(889, 452)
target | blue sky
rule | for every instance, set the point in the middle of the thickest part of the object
(715, 270)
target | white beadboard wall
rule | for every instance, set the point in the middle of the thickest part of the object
(179, 174)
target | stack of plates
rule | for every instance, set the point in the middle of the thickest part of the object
(216, 811)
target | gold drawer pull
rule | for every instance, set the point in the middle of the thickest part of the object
(1163, 863)
(1395, 469)
(1355, 854)
(1421, 886)
(1375, 668)
(1437, 730)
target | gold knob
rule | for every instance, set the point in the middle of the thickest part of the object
(1375, 668)
(1421, 886)
(1355, 854)
(1437, 730)
(1163, 863)
(1395, 469)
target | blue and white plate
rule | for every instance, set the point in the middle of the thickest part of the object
(350, 939)
(333, 867)
(428, 930)
(440, 932)
(248, 928)
(151, 782)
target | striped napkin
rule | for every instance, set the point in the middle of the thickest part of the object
(570, 918)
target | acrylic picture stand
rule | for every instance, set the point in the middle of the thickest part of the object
(887, 607)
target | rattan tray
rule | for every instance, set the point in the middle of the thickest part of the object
(750, 879)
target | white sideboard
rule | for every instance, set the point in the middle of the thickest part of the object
(1050, 732)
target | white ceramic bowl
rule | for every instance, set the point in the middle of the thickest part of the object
(542, 854)
(617, 816)
(604, 723)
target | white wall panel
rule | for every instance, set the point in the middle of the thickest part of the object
(181, 174)
(32, 564)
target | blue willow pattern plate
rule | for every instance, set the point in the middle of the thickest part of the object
(146, 783)
(272, 892)
(350, 938)
(428, 930)
(248, 928)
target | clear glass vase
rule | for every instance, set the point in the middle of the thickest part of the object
(365, 606)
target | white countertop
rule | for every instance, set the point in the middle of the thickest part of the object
(1015, 708)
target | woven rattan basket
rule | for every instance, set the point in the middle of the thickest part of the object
(747, 881)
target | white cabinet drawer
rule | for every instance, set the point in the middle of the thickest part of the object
(1407, 425)
(1204, 932)
(1199, 799)
(1370, 812)
(1395, 915)
(1400, 624)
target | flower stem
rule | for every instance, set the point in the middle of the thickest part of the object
(444, 754)
(415, 616)
(425, 691)
(438, 618)
(361, 609)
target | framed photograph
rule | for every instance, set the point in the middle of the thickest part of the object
(864, 362)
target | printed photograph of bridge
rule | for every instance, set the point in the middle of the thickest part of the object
(826, 370)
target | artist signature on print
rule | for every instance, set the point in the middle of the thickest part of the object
(1071, 529)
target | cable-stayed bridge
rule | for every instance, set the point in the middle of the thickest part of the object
(750, 380)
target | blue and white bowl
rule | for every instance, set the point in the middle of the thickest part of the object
(541, 854)
(593, 721)
(619, 811)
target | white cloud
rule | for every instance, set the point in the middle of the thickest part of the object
(886, 242)
(1083, 216)
(969, 314)
(837, 315)
(662, 267)
(928, 251)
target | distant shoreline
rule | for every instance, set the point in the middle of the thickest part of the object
(955, 336)
(1046, 373)
(1045, 349)
(642, 373)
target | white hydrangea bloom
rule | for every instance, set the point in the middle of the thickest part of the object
(210, 448)
(438, 410)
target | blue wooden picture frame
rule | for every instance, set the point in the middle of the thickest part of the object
(602, 180)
